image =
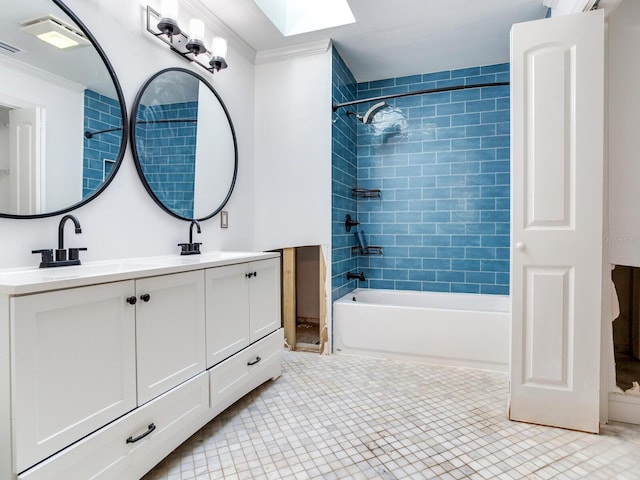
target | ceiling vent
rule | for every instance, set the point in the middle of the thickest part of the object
(7, 48)
(55, 32)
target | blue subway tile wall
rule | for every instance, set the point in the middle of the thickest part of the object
(100, 151)
(167, 150)
(442, 163)
(344, 171)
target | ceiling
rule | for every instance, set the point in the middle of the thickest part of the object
(82, 66)
(394, 38)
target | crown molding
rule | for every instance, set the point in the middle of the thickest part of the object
(41, 74)
(301, 50)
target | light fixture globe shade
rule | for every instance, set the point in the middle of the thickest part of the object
(219, 47)
(218, 54)
(195, 44)
(168, 23)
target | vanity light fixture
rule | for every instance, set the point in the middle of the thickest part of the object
(190, 46)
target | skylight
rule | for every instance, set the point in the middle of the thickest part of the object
(300, 16)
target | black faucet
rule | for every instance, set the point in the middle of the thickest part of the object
(356, 276)
(191, 248)
(61, 253)
(197, 225)
(61, 258)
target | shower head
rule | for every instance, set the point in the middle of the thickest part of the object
(367, 118)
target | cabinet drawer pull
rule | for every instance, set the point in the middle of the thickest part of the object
(132, 300)
(145, 297)
(150, 429)
(254, 362)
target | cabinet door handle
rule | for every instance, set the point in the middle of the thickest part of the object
(248, 275)
(254, 362)
(132, 300)
(255, 274)
(145, 297)
(150, 429)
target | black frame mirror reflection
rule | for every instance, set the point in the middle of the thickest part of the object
(184, 144)
(99, 164)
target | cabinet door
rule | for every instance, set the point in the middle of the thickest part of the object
(73, 366)
(227, 311)
(264, 298)
(170, 331)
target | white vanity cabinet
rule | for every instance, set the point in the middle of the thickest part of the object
(264, 298)
(170, 331)
(103, 370)
(73, 366)
(244, 338)
(243, 306)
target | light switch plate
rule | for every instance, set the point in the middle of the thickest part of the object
(224, 219)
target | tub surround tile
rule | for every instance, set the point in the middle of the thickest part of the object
(466, 134)
(451, 166)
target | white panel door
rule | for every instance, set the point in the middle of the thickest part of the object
(73, 366)
(557, 91)
(27, 160)
(264, 297)
(170, 331)
(227, 291)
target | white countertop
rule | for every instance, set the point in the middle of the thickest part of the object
(22, 281)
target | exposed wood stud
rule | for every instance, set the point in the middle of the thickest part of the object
(289, 295)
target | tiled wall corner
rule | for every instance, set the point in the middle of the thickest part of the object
(100, 151)
(344, 171)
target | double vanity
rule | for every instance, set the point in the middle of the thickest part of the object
(107, 367)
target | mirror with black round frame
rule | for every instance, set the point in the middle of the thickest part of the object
(184, 144)
(63, 119)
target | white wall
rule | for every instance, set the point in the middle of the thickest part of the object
(124, 222)
(624, 134)
(4, 159)
(63, 103)
(293, 147)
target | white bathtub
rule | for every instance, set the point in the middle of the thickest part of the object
(458, 329)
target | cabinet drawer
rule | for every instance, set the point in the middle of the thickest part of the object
(238, 375)
(106, 454)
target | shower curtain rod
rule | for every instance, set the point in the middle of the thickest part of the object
(336, 106)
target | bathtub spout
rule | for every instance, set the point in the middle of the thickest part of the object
(355, 276)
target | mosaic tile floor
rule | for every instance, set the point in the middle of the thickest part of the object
(340, 417)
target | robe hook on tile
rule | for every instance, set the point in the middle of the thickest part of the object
(190, 46)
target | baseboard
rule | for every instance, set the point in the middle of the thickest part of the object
(624, 408)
